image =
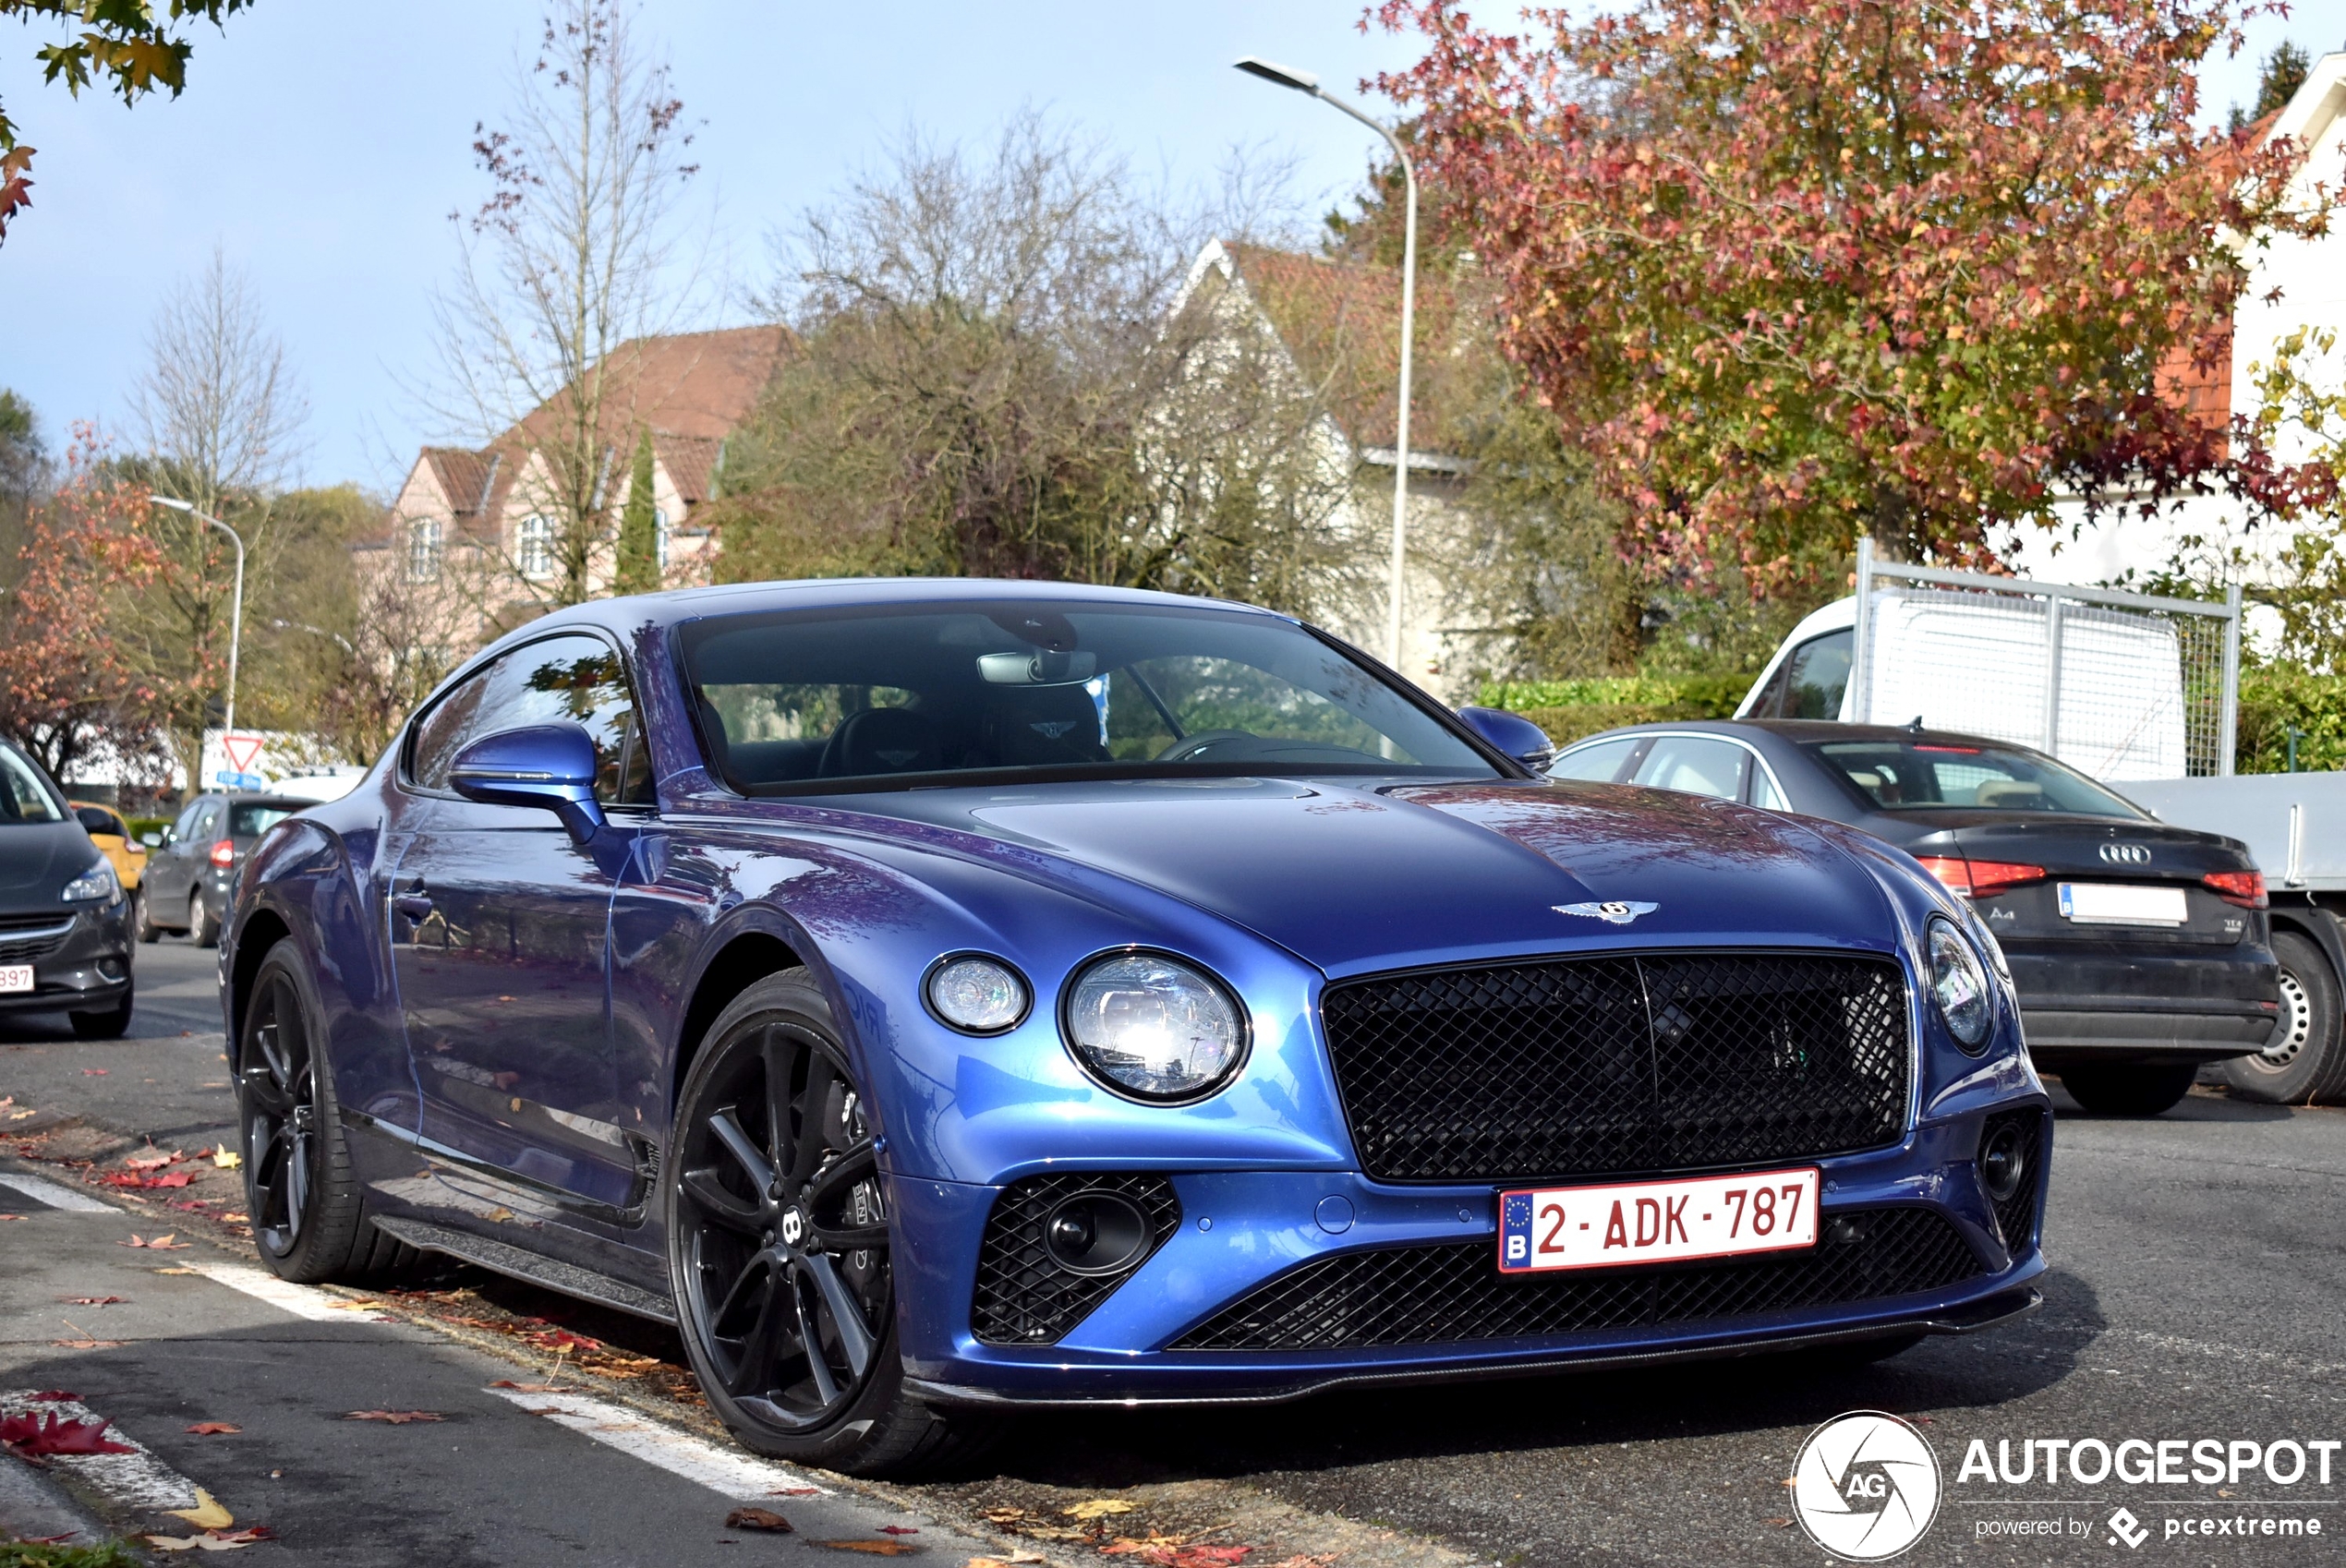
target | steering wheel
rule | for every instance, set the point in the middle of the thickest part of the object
(1187, 748)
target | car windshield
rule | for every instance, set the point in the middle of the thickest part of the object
(24, 795)
(1907, 775)
(879, 696)
(250, 819)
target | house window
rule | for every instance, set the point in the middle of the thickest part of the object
(660, 536)
(537, 547)
(423, 551)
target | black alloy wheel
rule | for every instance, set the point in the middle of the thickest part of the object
(278, 1083)
(308, 1218)
(779, 1243)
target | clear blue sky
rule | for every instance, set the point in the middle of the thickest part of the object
(323, 144)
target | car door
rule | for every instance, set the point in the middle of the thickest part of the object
(172, 874)
(499, 925)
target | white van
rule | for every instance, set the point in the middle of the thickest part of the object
(1980, 663)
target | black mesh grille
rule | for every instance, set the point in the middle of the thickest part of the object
(1022, 1297)
(1443, 1295)
(2017, 1215)
(1606, 1066)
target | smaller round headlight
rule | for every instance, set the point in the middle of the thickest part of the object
(1959, 985)
(978, 994)
(1153, 1027)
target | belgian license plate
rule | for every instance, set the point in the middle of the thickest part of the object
(1656, 1222)
(2115, 903)
(15, 977)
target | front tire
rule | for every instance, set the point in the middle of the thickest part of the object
(2129, 1089)
(778, 1245)
(148, 930)
(2305, 1060)
(111, 1024)
(308, 1219)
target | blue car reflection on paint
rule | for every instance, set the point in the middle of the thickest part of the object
(940, 998)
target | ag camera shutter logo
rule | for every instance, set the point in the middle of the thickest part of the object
(1866, 1486)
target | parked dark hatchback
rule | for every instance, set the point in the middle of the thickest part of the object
(2139, 950)
(65, 929)
(193, 871)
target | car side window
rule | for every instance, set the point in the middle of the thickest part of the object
(184, 830)
(1815, 676)
(577, 679)
(1763, 791)
(1769, 703)
(1695, 765)
(1601, 762)
(207, 824)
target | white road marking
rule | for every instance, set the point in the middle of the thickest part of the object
(56, 1197)
(729, 1472)
(301, 1300)
(137, 1478)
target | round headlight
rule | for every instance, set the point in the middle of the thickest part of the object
(977, 996)
(1960, 986)
(1153, 1027)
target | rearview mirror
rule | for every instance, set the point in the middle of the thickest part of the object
(1512, 733)
(550, 767)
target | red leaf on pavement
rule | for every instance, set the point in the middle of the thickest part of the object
(51, 1433)
(563, 1339)
(396, 1417)
(757, 1519)
(897, 1530)
(175, 1178)
(93, 1072)
(153, 1160)
(213, 1429)
(53, 1396)
(92, 1300)
(166, 1242)
(11, 1216)
(877, 1549)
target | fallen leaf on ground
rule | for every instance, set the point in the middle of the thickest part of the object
(51, 1433)
(85, 1341)
(1098, 1508)
(213, 1541)
(207, 1515)
(167, 1242)
(757, 1519)
(1300, 1561)
(153, 1160)
(563, 1339)
(226, 1159)
(528, 1388)
(93, 1072)
(877, 1549)
(897, 1530)
(53, 1396)
(396, 1417)
(91, 1300)
(499, 1215)
(11, 1216)
(236, 1219)
(213, 1429)
(179, 1270)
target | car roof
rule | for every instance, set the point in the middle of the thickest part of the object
(1801, 731)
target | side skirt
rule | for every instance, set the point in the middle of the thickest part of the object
(532, 1267)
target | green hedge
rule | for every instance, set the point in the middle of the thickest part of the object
(2272, 701)
(1569, 710)
(2276, 700)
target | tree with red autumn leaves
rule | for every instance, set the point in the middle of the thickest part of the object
(70, 688)
(1798, 270)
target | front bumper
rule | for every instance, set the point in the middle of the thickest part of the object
(85, 968)
(1242, 1230)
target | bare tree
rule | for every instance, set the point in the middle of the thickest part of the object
(565, 264)
(218, 414)
(1003, 371)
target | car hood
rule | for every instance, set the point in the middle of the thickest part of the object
(37, 859)
(1353, 878)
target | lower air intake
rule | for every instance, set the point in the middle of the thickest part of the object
(1453, 1293)
(1032, 1286)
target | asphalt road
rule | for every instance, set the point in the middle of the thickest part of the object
(2196, 1294)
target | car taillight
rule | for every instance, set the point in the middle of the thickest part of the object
(1972, 878)
(2245, 889)
(223, 853)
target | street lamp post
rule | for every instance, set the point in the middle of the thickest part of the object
(1305, 83)
(236, 605)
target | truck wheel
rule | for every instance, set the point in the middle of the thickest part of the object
(2305, 1061)
(2129, 1089)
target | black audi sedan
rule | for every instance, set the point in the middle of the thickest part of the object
(64, 927)
(2139, 950)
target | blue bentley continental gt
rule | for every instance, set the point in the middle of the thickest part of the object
(940, 999)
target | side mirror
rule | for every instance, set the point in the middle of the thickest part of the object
(155, 839)
(550, 767)
(1512, 733)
